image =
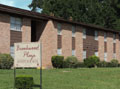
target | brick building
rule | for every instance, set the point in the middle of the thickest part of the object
(58, 36)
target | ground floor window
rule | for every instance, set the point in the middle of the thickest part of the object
(96, 54)
(59, 52)
(73, 52)
(105, 56)
(84, 54)
(114, 55)
(12, 51)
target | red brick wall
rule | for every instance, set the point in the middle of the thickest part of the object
(4, 33)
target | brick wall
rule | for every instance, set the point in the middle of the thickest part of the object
(117, 47)
(4, 33)
(101, 45)
(26, 30)
(66, 40)
(79, 43)
(109, 46)
(49, 43)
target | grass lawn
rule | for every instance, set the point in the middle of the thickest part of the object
(101, 78)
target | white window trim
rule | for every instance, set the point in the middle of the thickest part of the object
(96, 35)
(84, 33)
(73, 31)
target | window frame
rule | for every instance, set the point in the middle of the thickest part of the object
(59, 29)
(105, 36)
(84, 54)
(59, 51)
(96, 35)
(73, 52)
(84, 33)
(114, 38)
(73, 31)
(15, 23)
(105, 56)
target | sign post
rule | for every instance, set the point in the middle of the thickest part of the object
(28, 55)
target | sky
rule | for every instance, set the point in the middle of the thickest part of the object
(23, 4)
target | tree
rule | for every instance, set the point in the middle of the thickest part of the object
(98, 12)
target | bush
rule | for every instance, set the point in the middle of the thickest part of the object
(57, 61)
(71, 62)
(103, 64)
(80, 65)
(24, 82)
(92, 61)
(6, 61)
(114, 63)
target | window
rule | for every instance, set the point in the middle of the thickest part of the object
(59, 52)
(114, 55)
(105, 36)
(15, 24)
(59, 28)
(96, 35)
(84, 54)
(73, 52)
(73, 31)
(96, 53)
(105, 56)
(84, 33)
(12, 51)
(114, 38)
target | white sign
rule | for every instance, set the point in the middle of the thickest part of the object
(27, 55)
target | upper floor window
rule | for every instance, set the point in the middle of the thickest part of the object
(96, 35)
(73, 31)
(59, 28)
(84, 33)
(105, 36)
(114, 38)
(15, 24)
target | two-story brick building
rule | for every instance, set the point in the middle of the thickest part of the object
(58, 36)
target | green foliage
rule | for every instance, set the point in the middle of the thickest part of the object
(92, 61)
(80, 65)
(103, 64)
(71, 62)
(24, 82)
(57, 61)
(114, 63)
(6, 61)
(104, 13)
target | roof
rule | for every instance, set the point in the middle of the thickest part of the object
(36, 15)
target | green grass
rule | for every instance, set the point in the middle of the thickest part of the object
(101, 78)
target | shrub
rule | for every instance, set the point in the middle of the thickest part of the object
(71, 61)
(6, 61)
(80, 65)
(91, 61)
(57, 61)
(24, 82)
(114, 63)
(102, 64)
